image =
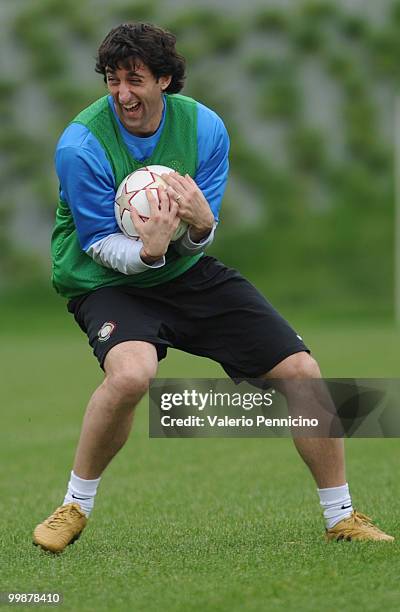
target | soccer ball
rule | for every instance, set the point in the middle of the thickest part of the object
(131, 192)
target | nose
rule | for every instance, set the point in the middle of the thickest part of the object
(124, 94)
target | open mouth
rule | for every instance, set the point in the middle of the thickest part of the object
(131, 109)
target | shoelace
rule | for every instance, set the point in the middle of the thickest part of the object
(365, 520)
(59, 517)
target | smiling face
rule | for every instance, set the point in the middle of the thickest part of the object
(137, 97)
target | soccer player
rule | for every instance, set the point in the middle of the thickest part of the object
(134, 299)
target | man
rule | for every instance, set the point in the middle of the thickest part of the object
(147, 294)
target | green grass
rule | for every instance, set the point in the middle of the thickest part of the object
(186, 525)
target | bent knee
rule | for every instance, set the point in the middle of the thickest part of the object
(130, 384)
(297, 366)
(129, 367)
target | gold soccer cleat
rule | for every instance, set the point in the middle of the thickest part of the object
(357, 527)
(62, 528)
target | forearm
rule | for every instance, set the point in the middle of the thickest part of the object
(188, 245)
(123, 255)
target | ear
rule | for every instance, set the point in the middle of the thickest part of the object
(164, 82)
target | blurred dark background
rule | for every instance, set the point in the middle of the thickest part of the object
(307, 92)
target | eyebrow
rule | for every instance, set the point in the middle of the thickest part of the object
(131, 73)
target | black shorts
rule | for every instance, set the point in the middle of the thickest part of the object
(210, 310)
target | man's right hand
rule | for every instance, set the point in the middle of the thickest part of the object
(157, 231)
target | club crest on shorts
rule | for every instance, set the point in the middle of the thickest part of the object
(106, 330)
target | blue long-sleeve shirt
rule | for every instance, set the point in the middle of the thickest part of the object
(87, 181)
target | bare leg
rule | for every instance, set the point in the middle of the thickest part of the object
(323, 456)
(109, 415)
(325, 459)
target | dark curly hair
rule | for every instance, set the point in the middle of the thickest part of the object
(146, 43)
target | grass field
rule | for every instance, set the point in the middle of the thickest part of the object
(186, 525)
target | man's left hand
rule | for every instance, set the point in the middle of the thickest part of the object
(193, 207)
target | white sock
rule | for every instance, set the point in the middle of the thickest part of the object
(336, 502)
(81, 492)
